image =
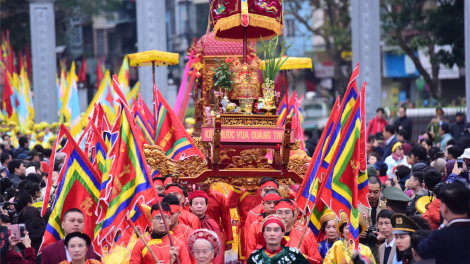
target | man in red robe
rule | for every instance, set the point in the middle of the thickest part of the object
(254, 230)
(198, 203)
(286, 209)
(159, 242)
(218, 210)
(266, 184)
(185, 217)
(244, 201)
(179, 230)
(160, 182)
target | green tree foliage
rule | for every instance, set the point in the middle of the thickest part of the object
(335, 31)
(423, 25)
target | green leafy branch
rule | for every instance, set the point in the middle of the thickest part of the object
(223, 77)
(273, 65)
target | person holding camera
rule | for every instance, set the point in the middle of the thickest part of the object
(13, 257)
(376, 205)
(4, 243)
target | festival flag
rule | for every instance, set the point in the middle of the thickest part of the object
(22, 109)
(297, 122)
(77, 177)
(312, 178)
(283, 117)
(123, 76)
(132, 96)
(149, 117)
(170, 134)
(61, 87)
(340, 192)
(127, 181)
(282, 107)
(27, 94)
(82, 71)
(99, 74)
(70, 111)
(98, 149)
(106, 96)
(7, 94)
(140, 117)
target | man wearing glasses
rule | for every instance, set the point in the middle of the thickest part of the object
(159, 241)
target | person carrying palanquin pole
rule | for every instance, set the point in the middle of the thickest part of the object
(204, 245)
(159, 242)
(178, 230)
(218, 211)
(161, 182)
(198, 204)
(273, 249)
(244, 200)
(185, 217)
(253, 232)
(286, 209)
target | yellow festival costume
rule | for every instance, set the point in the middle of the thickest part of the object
(341, 252)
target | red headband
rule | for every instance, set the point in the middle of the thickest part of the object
(158, 182)
(284, 204)
(197, 194)
(174, 208)
(271, 196)
(268, 183)
(174, 189)
(157, 212)
(167, 181)
(274, 220)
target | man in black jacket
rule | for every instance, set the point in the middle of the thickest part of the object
(450, 243)
(459, 127)
(24, 146)
(17, 171)
(405, 123)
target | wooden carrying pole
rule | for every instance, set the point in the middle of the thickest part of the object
(143, 240)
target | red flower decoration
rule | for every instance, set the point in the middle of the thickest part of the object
(228, 60)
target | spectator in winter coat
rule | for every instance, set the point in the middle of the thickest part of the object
(378, 123)
(431, 178)
(405, 123)
(390, 139)
(459, 127)
(444, 132)
(14, 257)
(397, 157)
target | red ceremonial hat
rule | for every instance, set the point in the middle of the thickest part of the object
(205, 234)
(269, 220)
(197, 194)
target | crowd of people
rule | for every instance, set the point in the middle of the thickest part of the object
(418, 195)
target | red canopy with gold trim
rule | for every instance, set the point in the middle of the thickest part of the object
(263, 18)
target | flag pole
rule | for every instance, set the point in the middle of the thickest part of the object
(143, 240)
(305, 213)
(305, 229)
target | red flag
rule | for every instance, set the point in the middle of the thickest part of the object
(82, 71)
(7, 93)
(99, 74)
(170, 133)
(29, 66)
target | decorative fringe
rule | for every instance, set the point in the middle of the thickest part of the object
(255, 21)
(159, 57)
